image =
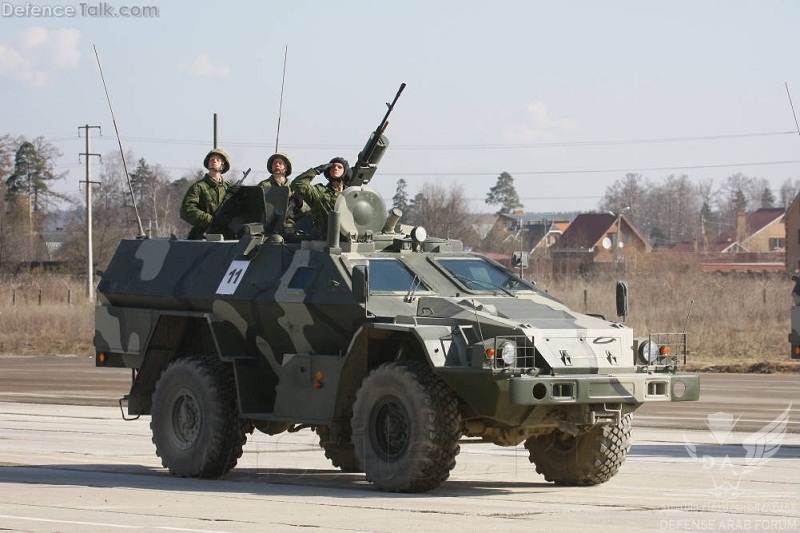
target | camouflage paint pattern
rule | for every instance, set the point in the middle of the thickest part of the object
(281, 308)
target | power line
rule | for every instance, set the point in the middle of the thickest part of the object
(597, 143)
(622, 142)
(591, 171)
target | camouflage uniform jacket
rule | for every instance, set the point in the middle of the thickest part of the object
(321, 198)
(200, 202)
(272, 182)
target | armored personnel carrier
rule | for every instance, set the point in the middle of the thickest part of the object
(392, 345)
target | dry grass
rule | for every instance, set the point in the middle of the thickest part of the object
(45, 315)
(737, 321)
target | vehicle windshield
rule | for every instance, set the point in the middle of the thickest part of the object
(391, 275)
(480, 275)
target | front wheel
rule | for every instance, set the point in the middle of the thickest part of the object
(405, 428)
(591, 458)
(195, 422)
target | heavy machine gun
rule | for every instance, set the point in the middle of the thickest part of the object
(371, 155)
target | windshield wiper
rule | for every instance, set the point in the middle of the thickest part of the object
(486, 284)
(412, 290)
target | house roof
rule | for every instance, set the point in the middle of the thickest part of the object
(562, 225)
(791, 206)
(587, 230)
(761, 218)
(537, 230)
(536, 233)
(483, 224)
(755, 222)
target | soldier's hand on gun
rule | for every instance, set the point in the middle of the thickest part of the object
(296, 201)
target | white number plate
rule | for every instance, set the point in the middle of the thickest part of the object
(232, 277)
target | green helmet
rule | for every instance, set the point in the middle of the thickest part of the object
(285, 157)
(225, 158)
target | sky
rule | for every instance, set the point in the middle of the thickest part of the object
(566, 96)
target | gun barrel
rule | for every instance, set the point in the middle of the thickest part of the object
(377, 143)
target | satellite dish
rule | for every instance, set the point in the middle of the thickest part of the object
(621, 244)
(606, 243)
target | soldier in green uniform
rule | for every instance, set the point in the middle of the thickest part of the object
(279, 167)
(204, 197)
(322, 198)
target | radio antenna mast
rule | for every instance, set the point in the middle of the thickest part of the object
(121, 152)
(796, 125)
(280, 105)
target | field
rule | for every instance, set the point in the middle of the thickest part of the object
(735, 322)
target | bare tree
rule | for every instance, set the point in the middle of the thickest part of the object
(673, 212)
(443, 213)
(112, 191)
(630, 194)
(789, 190)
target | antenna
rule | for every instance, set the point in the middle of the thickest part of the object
(685, 327)
(688, 314)
(121, 152)
(280, 105)
(796, 125)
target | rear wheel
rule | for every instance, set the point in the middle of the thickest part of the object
(195, 422)
(588, 459)
(405, 428)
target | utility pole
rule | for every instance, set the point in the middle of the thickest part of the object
(215, 130)
(618, 244)
(88, 183)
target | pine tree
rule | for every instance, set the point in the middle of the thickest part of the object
(20, 182)
(504, 194)
(33, 171)
(767, 198)
(400, 198)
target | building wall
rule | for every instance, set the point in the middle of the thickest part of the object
(766, 239)
(792, 234)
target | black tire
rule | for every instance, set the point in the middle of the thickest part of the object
(588, 459)
(341, 454)
(195, 422)
(406, 428)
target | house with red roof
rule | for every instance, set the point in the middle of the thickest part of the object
(598, 241)
(756, 244)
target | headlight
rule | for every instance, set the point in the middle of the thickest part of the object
(648, 352)
(508, 351)
(419, 234)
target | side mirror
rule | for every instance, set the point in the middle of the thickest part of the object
(622, 299)
(361, 283)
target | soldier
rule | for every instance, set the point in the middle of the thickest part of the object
(204, 196)
(322, 198)
(279, 167)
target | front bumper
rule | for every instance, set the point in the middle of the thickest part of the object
(593, 389)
